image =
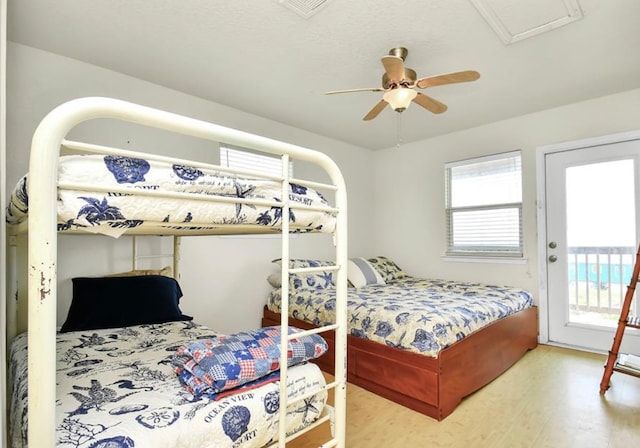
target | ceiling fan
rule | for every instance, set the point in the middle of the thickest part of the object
(399, 84)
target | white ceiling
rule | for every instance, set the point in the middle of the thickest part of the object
(260, 57)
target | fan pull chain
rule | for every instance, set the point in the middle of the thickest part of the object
(399, 134)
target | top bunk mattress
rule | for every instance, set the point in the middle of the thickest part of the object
(116, 212)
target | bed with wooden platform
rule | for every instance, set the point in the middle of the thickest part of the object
(425, 344)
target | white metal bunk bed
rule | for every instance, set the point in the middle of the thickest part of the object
(44, 187)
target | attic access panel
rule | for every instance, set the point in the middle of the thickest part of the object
(513, 20)
(304, 8)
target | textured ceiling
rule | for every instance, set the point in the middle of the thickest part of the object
(263, 58)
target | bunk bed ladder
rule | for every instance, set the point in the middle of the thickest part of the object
(336, 415)
(616, 361)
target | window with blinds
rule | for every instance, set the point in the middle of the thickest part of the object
(239, 158)
(484, 206)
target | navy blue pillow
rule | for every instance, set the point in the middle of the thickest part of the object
(112, 302)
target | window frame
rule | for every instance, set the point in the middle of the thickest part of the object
(480, 251)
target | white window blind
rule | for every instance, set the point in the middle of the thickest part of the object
(245, 159)
(484, 206)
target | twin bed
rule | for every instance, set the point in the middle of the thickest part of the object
(109, 379)
(117, 388)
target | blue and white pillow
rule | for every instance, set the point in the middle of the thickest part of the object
(387, 268)
(310, 280)
(362, 273)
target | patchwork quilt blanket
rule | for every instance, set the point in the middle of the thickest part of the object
(419, 315)
(112, 213)
(116, 388)
(210, 367)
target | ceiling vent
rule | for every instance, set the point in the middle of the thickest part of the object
(305, 8)
(514, 21)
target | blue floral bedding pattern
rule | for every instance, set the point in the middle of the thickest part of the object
(116, 388)
(113, 213)
(418, 315)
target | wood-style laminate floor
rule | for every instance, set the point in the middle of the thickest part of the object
(550, 398)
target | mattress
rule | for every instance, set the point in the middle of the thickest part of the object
(116, 388)
(419, 315)
(113, 213)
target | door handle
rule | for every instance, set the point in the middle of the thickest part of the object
(553, 258)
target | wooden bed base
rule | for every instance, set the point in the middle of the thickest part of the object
(432, 386)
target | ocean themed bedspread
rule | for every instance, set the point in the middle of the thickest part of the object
(116, 388)
(419, 315)
(112, 213)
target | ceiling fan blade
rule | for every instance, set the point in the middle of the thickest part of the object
(394, 67)
(372, 89)
(448, 78)
(373, 113)
(430, 104)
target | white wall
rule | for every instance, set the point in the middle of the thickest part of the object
(410, 184)
(224, 279)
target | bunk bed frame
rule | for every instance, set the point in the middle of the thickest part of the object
(48, 139)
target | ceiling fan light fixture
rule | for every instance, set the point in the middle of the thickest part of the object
(399, 99)
(399, 85)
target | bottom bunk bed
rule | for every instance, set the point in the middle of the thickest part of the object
(401, 358)
(117, 388)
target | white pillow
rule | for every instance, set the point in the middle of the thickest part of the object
(275, 279)
(361, 273)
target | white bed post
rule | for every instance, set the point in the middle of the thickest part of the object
(12, 281)
(42, 262)
(284, 314)
(134, 253)
(176, 256)
(341, 242)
